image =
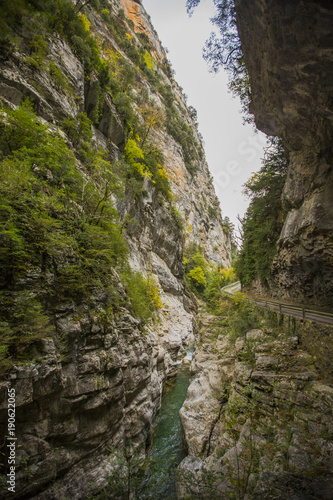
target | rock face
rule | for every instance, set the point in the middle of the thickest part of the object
(257, 419)
(195, 195)
(135, 11)
(288, 52)
(104, 388)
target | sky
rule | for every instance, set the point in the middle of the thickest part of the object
(233, 150)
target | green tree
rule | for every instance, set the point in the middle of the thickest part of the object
(262, 224)
(198, 276)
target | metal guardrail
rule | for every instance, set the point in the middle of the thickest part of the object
(230, 286)
(298, 311)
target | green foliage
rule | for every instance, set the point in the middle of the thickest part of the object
(239, 315)
(123, 103)
(25, 320)
(56, 219)
(227, 226)
(264, 218)
(183, 134)
(224, 51)
(38, 49)
(245, 317)
(203, 278)
(79, 131)
(213, 212)
(10, 15)
(216, 280)
(134, 156)
(197, 275)
(180, 130)
(143, 294)
(59, 79)
(145, 41)
(166, 68)
(177, 217)
(195, 267)
(146, 161)
(59, 222)
(149, 60)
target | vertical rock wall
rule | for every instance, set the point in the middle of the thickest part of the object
(288, 51)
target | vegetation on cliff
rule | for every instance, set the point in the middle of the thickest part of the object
(84, 192)
(205, 279)
(263, 221)
(59, 226)
(61, 235)
(264, 420)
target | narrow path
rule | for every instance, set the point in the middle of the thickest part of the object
(310, 313)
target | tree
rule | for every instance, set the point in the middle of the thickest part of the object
(262, 224)
(153, 119)
(225, 50)
(79, 4)
(198, 276)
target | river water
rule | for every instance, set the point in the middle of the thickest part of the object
(167, 450)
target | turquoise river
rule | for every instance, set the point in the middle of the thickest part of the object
(167, 449)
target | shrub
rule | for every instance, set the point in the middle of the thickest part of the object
(177, 217)
(244, 316)
(59, 79)
(143, 294)
(183, 134)
(264, 218)
(24, 322)
(197, 275)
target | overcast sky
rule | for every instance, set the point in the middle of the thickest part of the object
(233, 150)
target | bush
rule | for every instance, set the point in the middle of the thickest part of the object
(146, 161)
(183, 134)
(198, 277)
(143, 294)
(239, 313)
(177, 217)
(58, 78)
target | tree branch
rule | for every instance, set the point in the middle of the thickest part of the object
(83, 5)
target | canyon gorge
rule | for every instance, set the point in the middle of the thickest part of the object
(107, 198)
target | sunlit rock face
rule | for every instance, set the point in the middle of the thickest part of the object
(288, 52)
(135, 11)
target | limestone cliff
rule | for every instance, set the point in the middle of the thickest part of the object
(288, 52)
(135, 11)
(98, 383)
(198, 205)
